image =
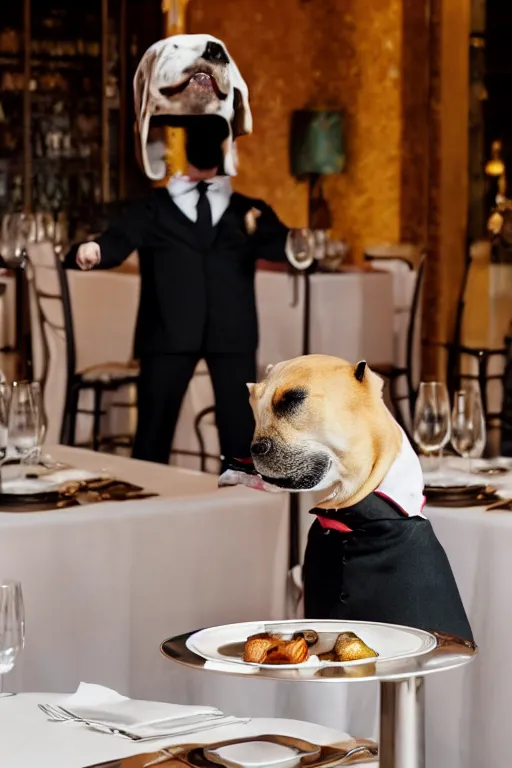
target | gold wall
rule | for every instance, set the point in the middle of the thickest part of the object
(335, 53)
(400, 70)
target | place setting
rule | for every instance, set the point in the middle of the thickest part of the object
(461, 479)
(32, 480)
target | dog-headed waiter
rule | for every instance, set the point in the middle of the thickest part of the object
(198, 243)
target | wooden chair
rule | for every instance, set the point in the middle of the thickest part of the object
(457, 350)
(395, 374)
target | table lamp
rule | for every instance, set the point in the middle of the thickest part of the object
(317, 149)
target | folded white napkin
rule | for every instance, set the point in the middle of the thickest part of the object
(146, 719)
(46, 483)
(229, 667)
(448, 478)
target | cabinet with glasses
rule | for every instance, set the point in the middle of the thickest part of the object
(66, 105)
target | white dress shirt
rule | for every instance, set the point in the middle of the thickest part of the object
(186, 196)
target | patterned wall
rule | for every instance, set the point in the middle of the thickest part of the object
(399, 69)
(336, 54)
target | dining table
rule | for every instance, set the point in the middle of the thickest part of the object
(104, 582)
(352, 315)
(469, 725)
(29, 740)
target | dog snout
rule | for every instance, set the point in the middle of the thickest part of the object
(261, 447)
(215, 52)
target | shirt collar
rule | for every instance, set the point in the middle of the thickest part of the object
(181, 185)
(402, 486)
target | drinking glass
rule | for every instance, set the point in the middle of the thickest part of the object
(17, 227)
(24, 420)
(12, 626)
(468, 423)
(432, 423)
(5, 392)
(302, 244)
(37, 397)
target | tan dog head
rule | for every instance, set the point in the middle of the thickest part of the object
(321, 424)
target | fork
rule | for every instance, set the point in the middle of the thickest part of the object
(61, 715)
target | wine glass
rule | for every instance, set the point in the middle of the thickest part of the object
(468, 423)
(432, 423)
(5, 392)
(24, 420)
(12, 626)
(37, 397)
(16, 234)
(301, 245)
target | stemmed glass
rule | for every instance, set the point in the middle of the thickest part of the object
(5, 392)
(432, 422)
(24, 421)
(302, 244)
(37, 397)
(16, 233)
(468, 423)
(12, 626)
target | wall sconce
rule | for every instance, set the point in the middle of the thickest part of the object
(317, 149)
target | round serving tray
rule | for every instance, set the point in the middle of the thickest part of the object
(450, 652)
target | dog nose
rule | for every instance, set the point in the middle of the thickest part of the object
(261, 447)
(215, 52)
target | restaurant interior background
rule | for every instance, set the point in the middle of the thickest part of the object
(385, 128)
(422, 90)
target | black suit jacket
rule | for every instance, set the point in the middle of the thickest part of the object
(193, 299)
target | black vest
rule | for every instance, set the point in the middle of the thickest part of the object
(388, 568)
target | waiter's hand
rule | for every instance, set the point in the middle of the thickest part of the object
(88, 255)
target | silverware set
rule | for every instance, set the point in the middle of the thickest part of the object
(58, 714)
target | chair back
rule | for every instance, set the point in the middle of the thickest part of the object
(453, 362)
(407, 264)
(413, 345)
(398, 256)
(51, 331)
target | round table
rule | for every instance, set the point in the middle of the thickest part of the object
(402, 719)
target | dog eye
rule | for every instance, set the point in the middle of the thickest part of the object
(290, 401)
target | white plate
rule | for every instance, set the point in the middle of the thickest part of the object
(258, 754)
(390, 641)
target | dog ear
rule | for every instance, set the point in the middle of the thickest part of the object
(360, 370)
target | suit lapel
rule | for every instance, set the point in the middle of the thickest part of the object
(172, 219)
(233, 217)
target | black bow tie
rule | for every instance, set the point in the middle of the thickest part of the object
(204, 223)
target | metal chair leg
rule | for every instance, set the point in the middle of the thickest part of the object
(69, 430)
(483, 361)
(96, 440)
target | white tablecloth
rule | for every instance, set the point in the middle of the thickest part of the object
(352, 316)
(469, 709)
(105, 584)
(28, 740)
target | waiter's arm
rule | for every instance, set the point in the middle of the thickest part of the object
(272, 237)
(125, 235)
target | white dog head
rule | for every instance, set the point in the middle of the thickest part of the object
(184, 76)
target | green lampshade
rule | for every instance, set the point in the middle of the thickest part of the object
(317, 143)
